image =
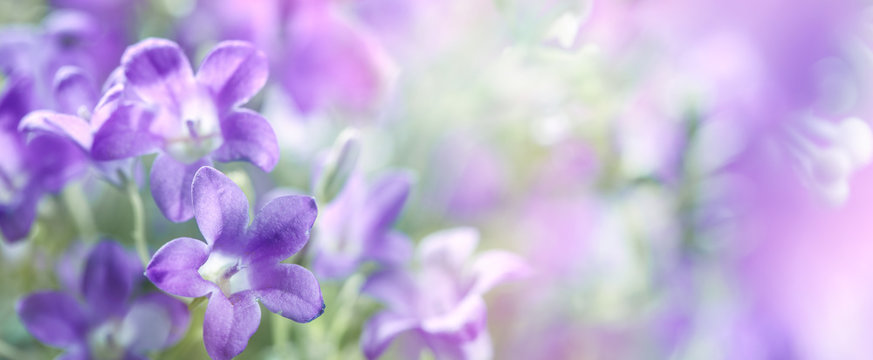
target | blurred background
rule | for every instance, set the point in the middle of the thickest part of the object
(688, 179)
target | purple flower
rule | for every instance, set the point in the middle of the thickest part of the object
(77, 116)
(328, 61)
(320, 55)
(238, 266)
(440, 307)
(99, 318)
(44, 156)
(161, 106)
(29, 168)
(356, 226)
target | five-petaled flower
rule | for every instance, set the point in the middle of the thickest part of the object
(107, 324)
(238, 266)
(161, 106)
(441, 306)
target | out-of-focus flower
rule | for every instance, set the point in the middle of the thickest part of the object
(33, 164)
(189, 120)
(238, 266)
(99, 318)
(318, 53)
(28, 169)
(356, 226)
(472, 178)
(77, 117)
(441, 306)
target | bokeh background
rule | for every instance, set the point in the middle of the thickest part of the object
(688, 179)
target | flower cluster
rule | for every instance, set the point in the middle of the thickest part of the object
(454, 179)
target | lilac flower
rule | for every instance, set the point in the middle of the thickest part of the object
(239, 266)
(441, 307)
(28, 169)
(356, 226)
(99, 318)
(329, 60)
(35, 162)
(190, 120)
(77, 117)
(321, 56)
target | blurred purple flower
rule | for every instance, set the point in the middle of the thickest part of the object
(319, 54)
(328, 60)
(99, 318)
(472, 180)
(238, 266)
(29, 168)
(356, 226)
(77, 117)
(161, 106)
(440, 307)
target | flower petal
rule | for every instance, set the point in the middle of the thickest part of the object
(17, 218)
(234, 71)
(126, 133)
(334, 265)
(288, 290)
(220, 208)
(384, 202)
(229, 323)
(107, 280)
(74, 90)
(248, 137)
(281, 228)
(448, 249)
(391, 249)
(171, 186)
(494, 267)
(53, 317)
(381, 329)
(53, 161)
(174, 267)
(395, 288)
(69, 126)
(158, 71)
(155, 321)
(478, 348)
(463, 322)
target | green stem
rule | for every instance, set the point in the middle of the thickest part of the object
(139, 232)
(196, 302)
(77, 205)
(9, 351)
(348, 296)
(280, 335)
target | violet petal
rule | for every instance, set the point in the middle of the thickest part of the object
(125, 133)
(289, 290)
(248, 137)
(234, 72)
(69, 126)
(158, 71)
(281, 228)
(73, 89)
(155, 321)
(229, 323)
(381, 329)
(220, 208)
(107, 281)
(495, 267)
(174, 268)
(53, 317)
(170, 182)
(394, 288)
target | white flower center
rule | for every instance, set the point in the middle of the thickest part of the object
(199, 131)
(226, 272)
